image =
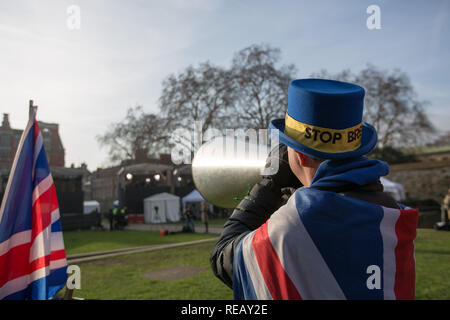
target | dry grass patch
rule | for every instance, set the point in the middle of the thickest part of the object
(174, 273)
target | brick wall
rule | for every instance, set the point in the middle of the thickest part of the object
(9, 140)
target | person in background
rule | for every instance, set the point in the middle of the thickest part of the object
(112, 217)
(98, 216)
(445, 212)
(189, 219)
(122, 221)
(205, 213)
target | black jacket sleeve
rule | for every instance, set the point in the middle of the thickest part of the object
(264, 199)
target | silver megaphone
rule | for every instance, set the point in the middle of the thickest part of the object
(225, 169)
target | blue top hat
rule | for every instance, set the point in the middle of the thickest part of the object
(324, 120)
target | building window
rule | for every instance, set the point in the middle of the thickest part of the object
(4, 140)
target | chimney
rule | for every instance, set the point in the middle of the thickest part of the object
(5, 123)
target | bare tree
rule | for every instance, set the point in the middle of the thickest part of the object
(139, 136)
(261, 87)
(442, 139)
(345, 75)
(390, 105)
(202, 93)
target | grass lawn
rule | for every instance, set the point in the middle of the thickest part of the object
(92, 241)
(124, 277)
(432, 264)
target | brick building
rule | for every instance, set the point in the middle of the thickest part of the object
(105, 186)
(9, 140)
(129, 183)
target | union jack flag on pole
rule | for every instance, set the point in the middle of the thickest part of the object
(32, 257)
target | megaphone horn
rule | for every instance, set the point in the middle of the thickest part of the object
(224, 169)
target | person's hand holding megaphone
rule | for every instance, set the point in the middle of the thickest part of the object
(263, 199)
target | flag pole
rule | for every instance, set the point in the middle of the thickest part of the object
(68, 294)
(32, 116)
(32, 111)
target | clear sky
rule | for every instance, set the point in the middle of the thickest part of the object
(84, 79)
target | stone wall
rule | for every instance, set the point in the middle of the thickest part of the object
(423, 180)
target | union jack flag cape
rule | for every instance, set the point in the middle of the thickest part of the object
(323, 245)
(32, 256)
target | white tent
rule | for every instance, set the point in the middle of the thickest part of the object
(194, 196)
(395, 189)
(162, 207)
(91, 206)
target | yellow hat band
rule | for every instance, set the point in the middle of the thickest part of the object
(324, 139)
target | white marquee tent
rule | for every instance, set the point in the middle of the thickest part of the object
(162, 207)
(395, 189)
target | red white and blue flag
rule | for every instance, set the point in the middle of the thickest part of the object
(32, 257)
(322, 245)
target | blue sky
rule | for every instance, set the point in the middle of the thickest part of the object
(86, 79)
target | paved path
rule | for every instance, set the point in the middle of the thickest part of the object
(199, 228)
(84, 257)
